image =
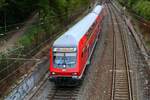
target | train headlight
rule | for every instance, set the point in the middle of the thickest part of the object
(53, 73)
(74, 73)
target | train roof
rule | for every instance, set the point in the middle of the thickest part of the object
(97, 9)
(72, 37)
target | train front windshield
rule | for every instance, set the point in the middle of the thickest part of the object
(64, 60)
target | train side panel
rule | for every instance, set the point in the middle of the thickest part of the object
(87, 43)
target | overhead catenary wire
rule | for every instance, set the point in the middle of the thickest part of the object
(22, 23)
(31, 50)
(24, 59)
(41, 43)
(36, 46)
(21, 59)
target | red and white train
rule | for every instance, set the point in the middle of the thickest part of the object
(71, 52)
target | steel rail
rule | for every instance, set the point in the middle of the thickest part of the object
(64, 93)
(115, 82)
(114, 56)
(126, 56)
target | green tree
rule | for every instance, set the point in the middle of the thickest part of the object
(2, 3)
(16, 10)
(141, 7)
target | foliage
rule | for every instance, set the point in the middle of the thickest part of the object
(141, 7)
(58, 12)
(2, 3)
(54, 16)
(31, 37)
(16, 10)
(132, 3)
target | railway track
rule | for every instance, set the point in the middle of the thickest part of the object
(64, 93)
(121, 86)
(56, 92)
(121, 89)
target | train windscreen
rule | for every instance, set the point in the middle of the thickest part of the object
(64, 60)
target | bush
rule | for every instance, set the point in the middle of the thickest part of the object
(31, 36)
(57, 12)
(143, 9)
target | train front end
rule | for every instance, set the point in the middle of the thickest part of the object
(63, 62)
(64, 59)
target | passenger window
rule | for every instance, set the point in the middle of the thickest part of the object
(82, 54)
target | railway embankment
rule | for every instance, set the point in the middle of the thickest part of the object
(138, 59)
(138, 36)
(139, 40)
(29, 82)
